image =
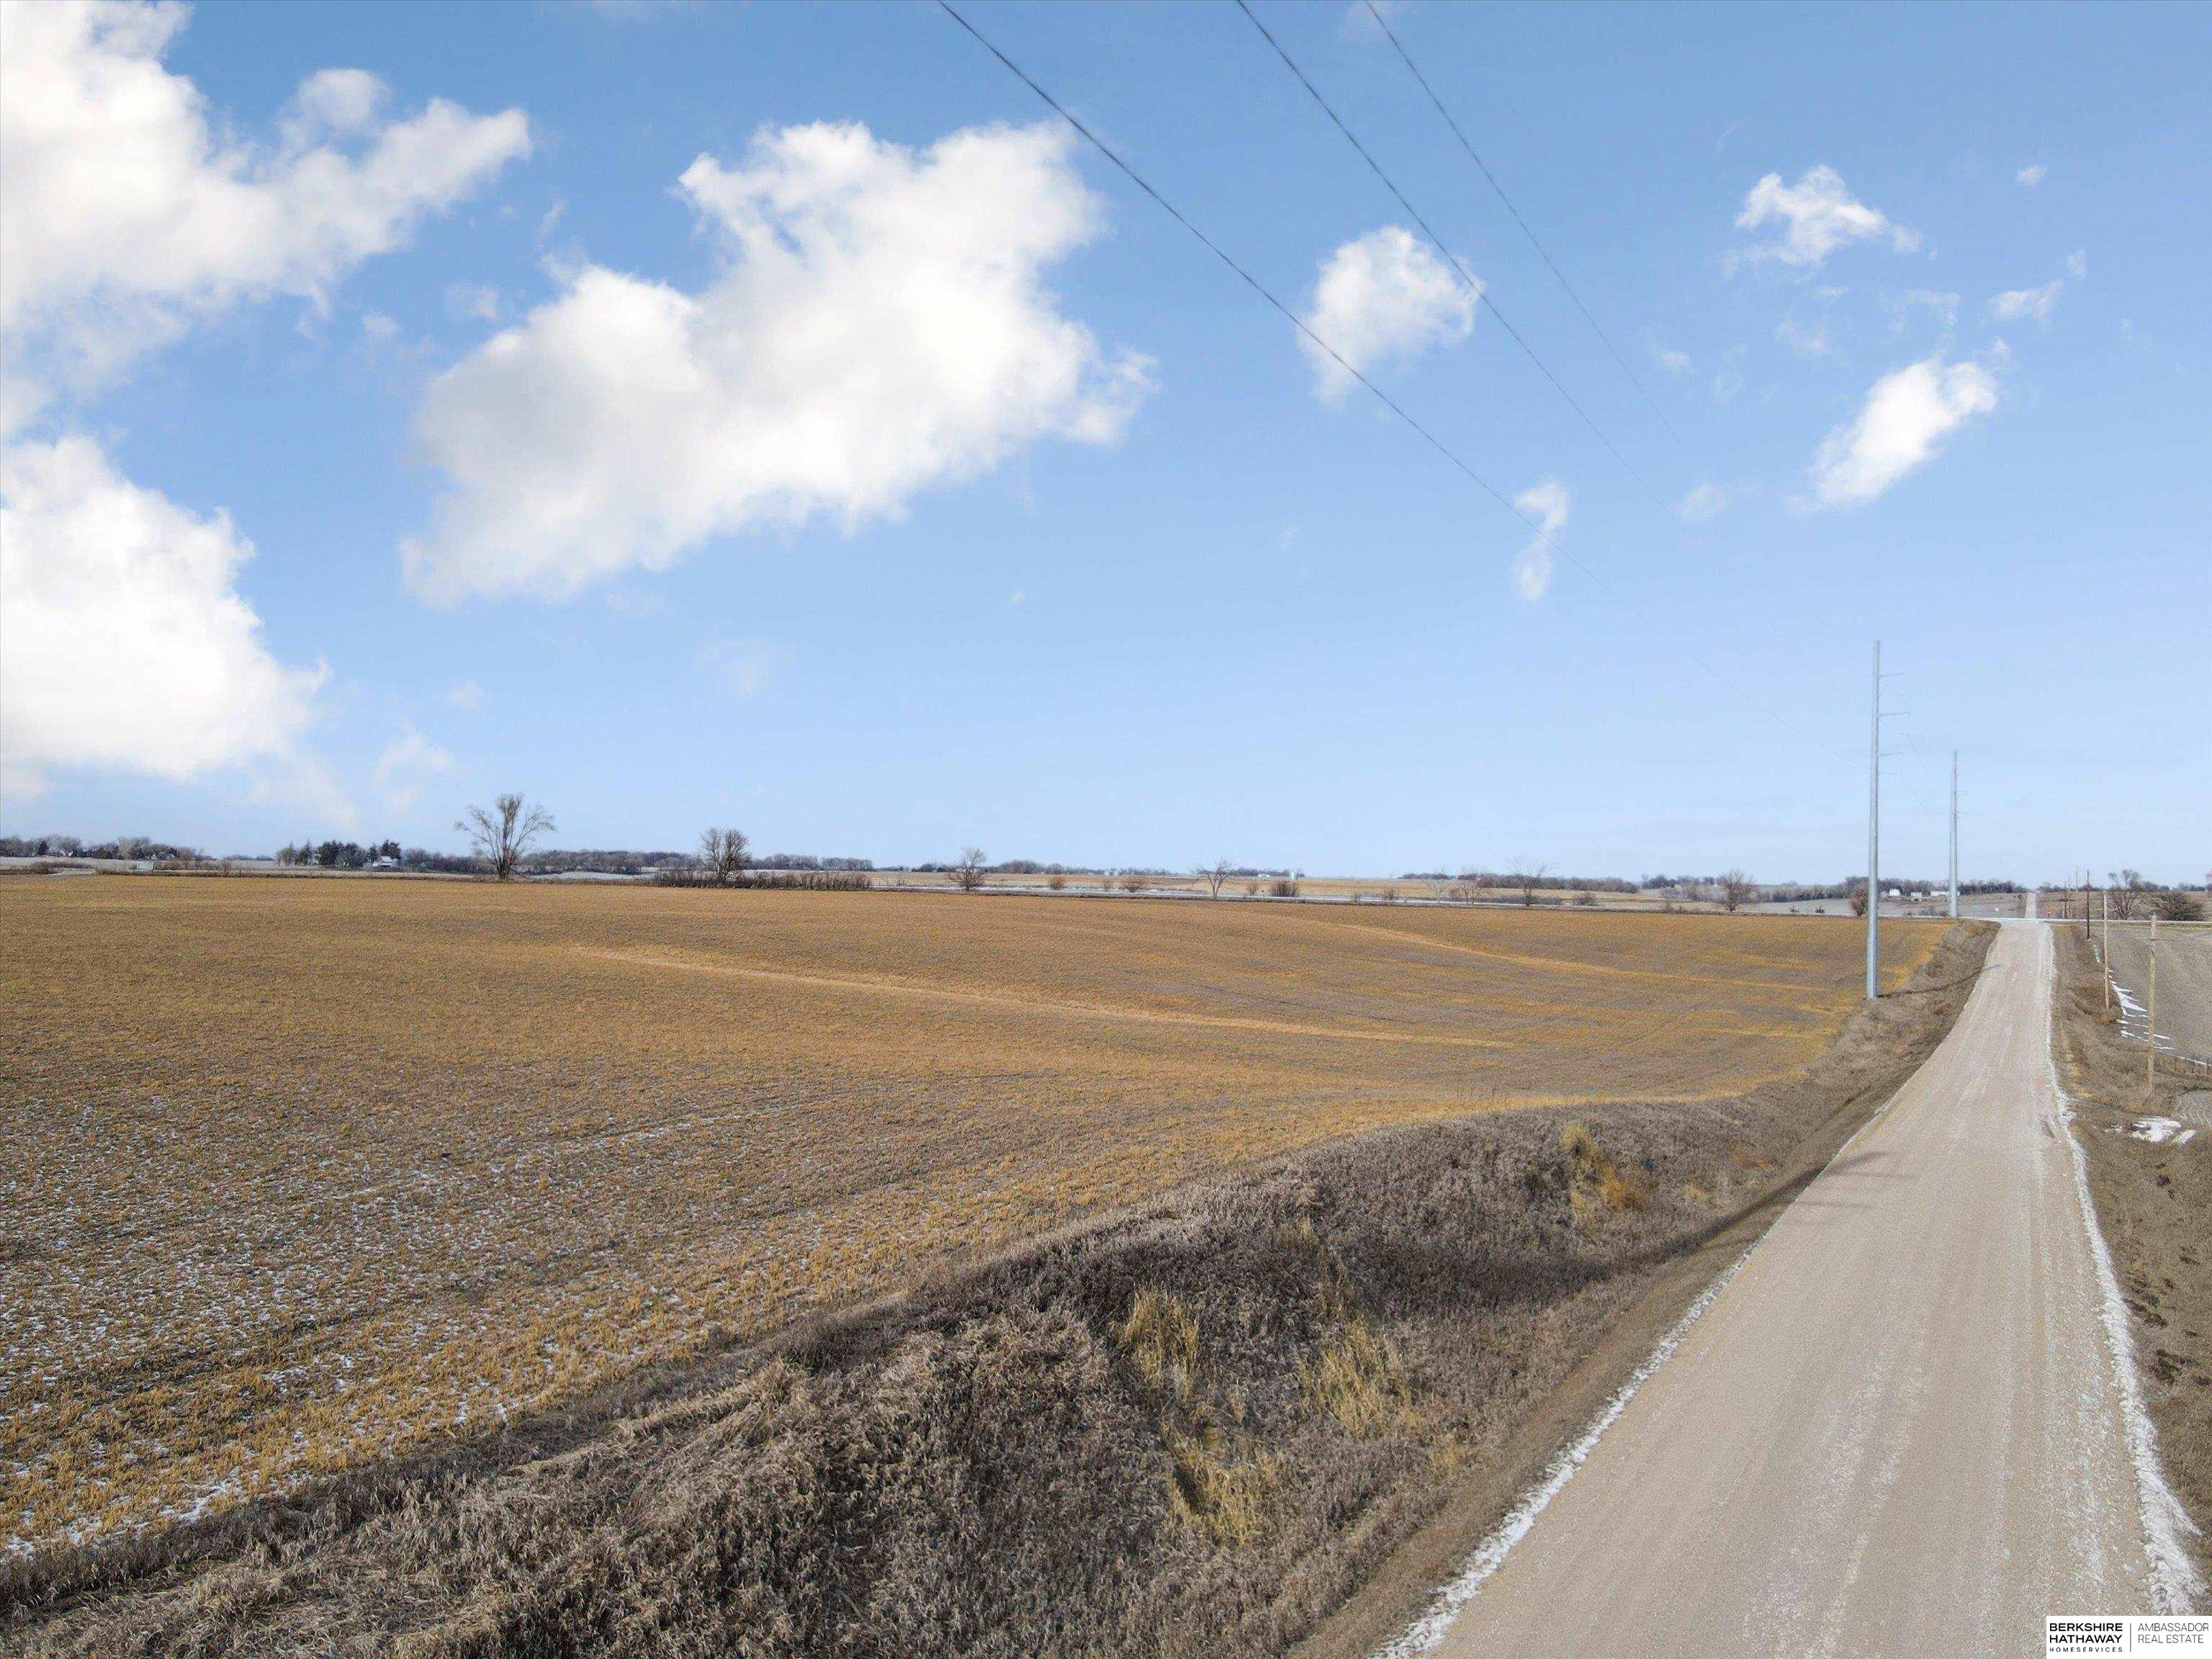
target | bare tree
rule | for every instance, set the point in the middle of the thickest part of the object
(1213, 875)
(501, 836)
(723, 853)
(1528, 877)
(2126, 897)
(1736, 887)
(968, 871)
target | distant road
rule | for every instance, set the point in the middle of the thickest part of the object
(1900, 1428)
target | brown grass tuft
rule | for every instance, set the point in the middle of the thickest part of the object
(1159, 1338)
(1597, 1186)
(1359, 1378)
(1226, 1500)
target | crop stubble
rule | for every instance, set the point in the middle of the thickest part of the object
(299, 1173)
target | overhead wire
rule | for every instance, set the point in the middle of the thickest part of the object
(1478, 289)
(1542, 252)
(1543, 537)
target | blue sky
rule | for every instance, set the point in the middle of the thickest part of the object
(601, 426)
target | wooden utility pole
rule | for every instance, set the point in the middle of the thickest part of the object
(2150, 1034)
(2106, 956)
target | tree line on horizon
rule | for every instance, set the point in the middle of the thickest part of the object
(503, 838)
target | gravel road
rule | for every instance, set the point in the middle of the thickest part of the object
(1905, 1425)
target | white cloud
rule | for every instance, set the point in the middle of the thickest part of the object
(1728, 378)
(1548, 505)
(1674, 362)
(336, 102)
(1816, 216)
(2077, 264)
(880, 326)
(21, 401)
(477, 300)
(1805, 339)
(466, 694)
(1706, 502)
(1382, 296)
(2031, 175)
(744, 667)
(406, 767)
(1899, 427)
(1941, 304)
(125, 216)
(123, 641)
(2016, 305)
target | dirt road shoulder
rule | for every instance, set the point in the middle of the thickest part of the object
(2150, 1173)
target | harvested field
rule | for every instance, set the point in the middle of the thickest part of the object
(300, 1173)
(1184, 1432)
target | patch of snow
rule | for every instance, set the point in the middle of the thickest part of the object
(2135, 1018)
(2157, 1130)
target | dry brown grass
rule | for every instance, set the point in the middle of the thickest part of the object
(2152, 1199)
(299, 1173)
(988, 1468)
(1598, 1185)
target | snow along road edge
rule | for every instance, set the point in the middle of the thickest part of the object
(2175, 1581)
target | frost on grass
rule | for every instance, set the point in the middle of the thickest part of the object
(300, 1174)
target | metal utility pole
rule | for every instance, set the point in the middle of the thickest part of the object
(1874, 838)
(1955, 835)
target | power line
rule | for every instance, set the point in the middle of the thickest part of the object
(1481, 292)
(1507, 202)
(1260, 288)
(1466, 144)
(1543, 536)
